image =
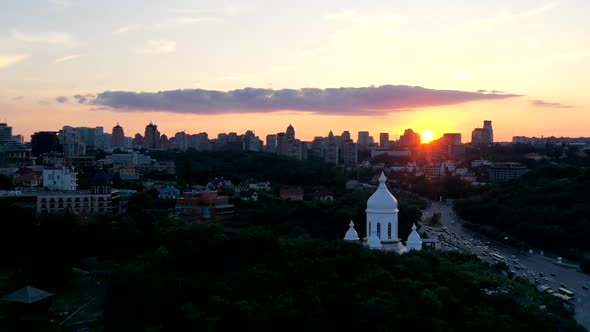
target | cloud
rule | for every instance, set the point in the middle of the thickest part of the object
(159, 47)
(61, 99)
(83, 99)
(50, 37)
(331, 101)
(128, 28)
(18, 98)
(9, 60)
(67, 58)
(172, 22)
(542, 103)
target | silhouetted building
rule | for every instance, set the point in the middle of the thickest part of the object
(363, 139)
(349, 153)
(5, 133)
(118, 137)
(271, 143)
(290, 132)
(451, 138)
(71, 142)
(151, 137)
(409, 138)
(483, 136)
(383, 140)
(505, 171)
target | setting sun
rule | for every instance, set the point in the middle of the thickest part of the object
(427, 136)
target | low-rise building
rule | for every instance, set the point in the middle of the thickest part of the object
(169, 193)
(506, 171)
(204, 205)
(294, 194)
(100, 199)
(60, 179)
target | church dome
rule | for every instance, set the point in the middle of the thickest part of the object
(382, 201)
(351, 234)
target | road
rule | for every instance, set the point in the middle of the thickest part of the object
(522, 263)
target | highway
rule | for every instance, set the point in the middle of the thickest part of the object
(538, 269)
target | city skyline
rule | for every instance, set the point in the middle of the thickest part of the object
(338, 65)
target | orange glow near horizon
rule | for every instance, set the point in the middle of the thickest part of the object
(426, 136)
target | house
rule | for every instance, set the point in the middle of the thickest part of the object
(169, 193)
(218, 184)
(27, 178)
(294, 194)
(248, 195)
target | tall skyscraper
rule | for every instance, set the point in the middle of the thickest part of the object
(118, 137)
(383, 140)
(451, 138)
(290, 132)
(345, 136)
(71, 141)
(271, 143)
(151, 138)
(181, 140)
(5, 133)
(487, 125)
(409, 138)
(483, 136)
(363, 139)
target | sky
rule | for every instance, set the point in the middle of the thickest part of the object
(321, 65)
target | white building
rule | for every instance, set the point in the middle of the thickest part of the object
(60, 179)
(382, 221)
(382, 224)
(414, 241)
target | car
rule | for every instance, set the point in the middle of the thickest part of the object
(541, 274)
(552, 274)
(562, 286)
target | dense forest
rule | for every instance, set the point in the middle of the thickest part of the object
(547, 208)
(193, 167)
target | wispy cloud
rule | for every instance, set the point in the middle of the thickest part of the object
(50, 37)
(509, 16)
(61, 99)
(333, 101)
(159, 47)
(7, 60)
(129, 28)
(543, 103)
(169, 23)
(18, 98)
(67, 58)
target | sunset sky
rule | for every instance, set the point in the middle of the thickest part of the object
(320, 65)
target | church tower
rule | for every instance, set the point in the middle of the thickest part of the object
(382, 221)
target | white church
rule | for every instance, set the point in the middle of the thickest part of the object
(382, 224)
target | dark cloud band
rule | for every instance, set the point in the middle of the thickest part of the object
(332, 101)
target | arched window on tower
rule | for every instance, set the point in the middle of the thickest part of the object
(370, 230)
(389, 231)
(379, 230)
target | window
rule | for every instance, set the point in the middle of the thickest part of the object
(369, 230)
(378, 230)
(388, 231)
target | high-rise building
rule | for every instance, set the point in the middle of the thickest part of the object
(181, 140)
(345, 136)
(5, 133)
(483, 136)
(364, 139)
(349, 153)
(317, 148)
(151, 138)
(71, 142)
(271, 143)
(137, 141)
(409, 138)
(383, 140)
(331, 150)
(290, 132)
(451, 138)
(118, 137)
